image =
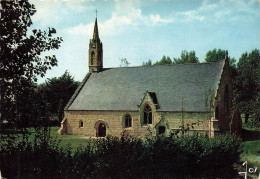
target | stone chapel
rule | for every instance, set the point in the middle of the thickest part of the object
(151, 100)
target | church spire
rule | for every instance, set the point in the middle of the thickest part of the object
(95, 33)
(95, 51)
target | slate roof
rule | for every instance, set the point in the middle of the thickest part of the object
(124, 88)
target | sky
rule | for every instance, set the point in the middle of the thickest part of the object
(139, 30)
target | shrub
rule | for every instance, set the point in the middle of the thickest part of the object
(254, 122)
(37, 158)
(196, 156)
(84, 162)
(121, 157)
(124, 157)
(219, 154)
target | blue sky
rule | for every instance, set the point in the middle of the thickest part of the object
(139, 30)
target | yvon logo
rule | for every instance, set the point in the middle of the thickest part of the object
(252, 170)
(249, 170)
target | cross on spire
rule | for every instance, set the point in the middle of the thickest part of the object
(96, 12)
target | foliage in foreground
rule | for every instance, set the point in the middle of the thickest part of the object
(22, 58)
(187, 156)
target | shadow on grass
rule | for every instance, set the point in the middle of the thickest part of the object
(11, 131)
(18, 131)
(249, 135)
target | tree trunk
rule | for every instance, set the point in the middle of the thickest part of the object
(246, 117)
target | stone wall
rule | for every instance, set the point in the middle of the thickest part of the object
(115, 124)
(191, 121)
(224, 116)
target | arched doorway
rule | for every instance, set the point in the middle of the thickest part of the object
(101, 130)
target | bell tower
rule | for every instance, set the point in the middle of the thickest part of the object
(95, 51)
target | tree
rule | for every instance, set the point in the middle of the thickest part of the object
(124, 62)
(57, 92)
(21, 60)
(215, 55)
(164, 61)
(148, 63)
(247, 83)
(186, 57)
(26, 101)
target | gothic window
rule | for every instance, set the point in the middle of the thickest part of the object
(80, 123)
(147, 115)
(92, 58)
(216, 112)
(226, 99)
(128, 121)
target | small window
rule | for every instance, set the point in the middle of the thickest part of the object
(147, 115)
(128, 121)
(161, 130)
(80, 123)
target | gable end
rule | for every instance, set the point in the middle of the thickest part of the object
(77, 91)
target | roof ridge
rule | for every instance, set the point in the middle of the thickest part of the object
(167, 65)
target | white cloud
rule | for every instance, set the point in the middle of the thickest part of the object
(223, 10)
(45, 11)
(155, 19)
(119, 22)
(51, 12)
(222, 14)
(188, 16)
(80, 29)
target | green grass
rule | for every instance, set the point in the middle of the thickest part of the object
(251, 149)
(251, 153)
(74, 141)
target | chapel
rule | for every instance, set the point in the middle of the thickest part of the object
(151, 100)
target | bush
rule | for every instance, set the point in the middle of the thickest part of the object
(39, 157)
(121, 157)
(196, 156)
(254, 122)
(54, 121)
(125, 157)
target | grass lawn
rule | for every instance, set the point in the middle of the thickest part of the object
(73, 140)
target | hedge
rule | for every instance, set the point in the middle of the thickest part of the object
(124, 157)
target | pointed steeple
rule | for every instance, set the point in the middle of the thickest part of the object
(95, 33)
(95, 51)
